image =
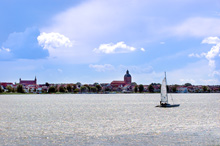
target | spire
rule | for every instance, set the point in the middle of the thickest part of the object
(127, 72)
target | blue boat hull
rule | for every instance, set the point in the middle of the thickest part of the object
(168, 105)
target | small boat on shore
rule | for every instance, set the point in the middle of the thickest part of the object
(164, 95)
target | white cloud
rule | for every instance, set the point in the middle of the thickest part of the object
(120, 47)
(197, 55)
(142, 49)
(53, 40)
(5, 49)
(5, 54)
(211, 55)
(211, 40)
(102, 68)
(215, 50)
(58, 46)
(197, 27)
(162, 43)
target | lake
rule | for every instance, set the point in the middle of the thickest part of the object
(109, 119)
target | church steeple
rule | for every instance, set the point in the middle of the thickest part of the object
(127, 78)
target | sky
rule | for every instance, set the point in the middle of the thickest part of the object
(92, 41)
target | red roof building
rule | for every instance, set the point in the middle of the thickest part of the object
(127, 80)
(5, 84)
(28, 82)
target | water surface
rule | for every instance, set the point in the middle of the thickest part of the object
(111, 119)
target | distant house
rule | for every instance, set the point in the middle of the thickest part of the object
(182, 90)
(156, 88)
(29, 85)
(5, 84)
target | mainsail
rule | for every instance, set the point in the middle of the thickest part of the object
(164, 97)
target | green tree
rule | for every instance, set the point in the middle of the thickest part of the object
(61, 89)
(99, 88)
(168, 89)
(136, 88)
(88, 87)
(107, 89)
(83, 89)
(20, 88)
(93, 89)
(74, 86)
(174, 88)
(188, 84)
(141, 88)
(209, 90)
(1, 90)
(204, 88)
(95, 84)
(47, 84)
(52, 89)
(151, 88)
(69, 88)
(76, 90)
(9, 88)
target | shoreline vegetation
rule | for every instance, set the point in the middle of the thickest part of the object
(56, 93)
(105, 89)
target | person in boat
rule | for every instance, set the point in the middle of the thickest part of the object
(162, 103)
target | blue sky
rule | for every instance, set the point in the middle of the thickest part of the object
(91, 41)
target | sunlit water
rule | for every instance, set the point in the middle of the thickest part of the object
(111, 119)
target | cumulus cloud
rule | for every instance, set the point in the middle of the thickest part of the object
(211, 40)
(215, 50)
(53, 40)
(102, 68)
(58, 45)
(212, 55)
(119, 47)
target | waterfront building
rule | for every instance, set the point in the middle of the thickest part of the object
(28, 82)
(120, 84)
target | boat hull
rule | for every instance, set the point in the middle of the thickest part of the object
(168, 105)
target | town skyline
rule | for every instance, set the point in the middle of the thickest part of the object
(91, 41)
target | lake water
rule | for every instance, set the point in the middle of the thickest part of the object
(110, 119)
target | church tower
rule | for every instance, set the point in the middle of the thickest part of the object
(127, 78)
(35, 80)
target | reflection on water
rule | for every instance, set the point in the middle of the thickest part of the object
(113, 119)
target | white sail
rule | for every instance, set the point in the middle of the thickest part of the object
(164, 97)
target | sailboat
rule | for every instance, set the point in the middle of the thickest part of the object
(164, 95)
